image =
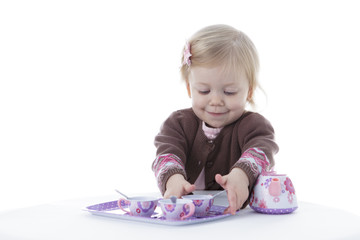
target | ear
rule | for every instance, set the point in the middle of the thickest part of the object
(188, 88)
(250, 94)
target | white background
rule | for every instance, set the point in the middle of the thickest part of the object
(85, 86)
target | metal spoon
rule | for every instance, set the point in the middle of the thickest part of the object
(217, 194)
(121, 194)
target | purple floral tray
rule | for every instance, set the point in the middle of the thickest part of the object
(111, 209)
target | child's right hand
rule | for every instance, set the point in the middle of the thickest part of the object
(178, 186)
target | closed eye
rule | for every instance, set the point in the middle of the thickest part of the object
(229, 93)
(204, 92)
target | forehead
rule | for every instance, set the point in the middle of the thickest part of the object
(208, 75)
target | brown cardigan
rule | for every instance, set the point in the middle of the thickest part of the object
(181, 134)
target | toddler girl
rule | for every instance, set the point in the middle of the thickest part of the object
(217, 143)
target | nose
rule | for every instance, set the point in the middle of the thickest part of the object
(216, 99)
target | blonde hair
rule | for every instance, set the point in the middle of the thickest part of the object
(225, 46)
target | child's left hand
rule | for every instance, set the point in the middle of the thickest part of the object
(236, 184)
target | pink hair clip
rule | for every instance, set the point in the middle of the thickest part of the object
(187, 55)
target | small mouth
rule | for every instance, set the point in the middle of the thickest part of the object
(216, 113)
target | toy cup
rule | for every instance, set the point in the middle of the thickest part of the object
(202, 204)
(273, 194)
(180, 210)
(138, 206)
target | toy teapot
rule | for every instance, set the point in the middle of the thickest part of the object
(273, 194)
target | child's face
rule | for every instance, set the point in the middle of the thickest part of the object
(217, 99)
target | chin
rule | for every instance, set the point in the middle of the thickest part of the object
(215, 125)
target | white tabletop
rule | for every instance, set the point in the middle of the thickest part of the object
(67, 220)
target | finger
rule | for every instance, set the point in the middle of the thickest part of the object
(189, 188)
(166, 195)
(221, 180)
(233, 202)
(227, 210)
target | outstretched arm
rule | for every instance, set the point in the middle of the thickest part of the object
(178, 186)
(236, 184)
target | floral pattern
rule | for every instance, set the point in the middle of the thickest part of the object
(289, 186)
(262, 204)
(146, 206)
(267, 182)
(198, 203)
(169, 207)
(290, 198)
(252, 198)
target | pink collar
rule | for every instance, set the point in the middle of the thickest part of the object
(210, 132)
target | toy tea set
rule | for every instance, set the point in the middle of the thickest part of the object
(187, 210)
(173, 209)
(272, 194)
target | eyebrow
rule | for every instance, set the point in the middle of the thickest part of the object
(200, 83)
(229, 85)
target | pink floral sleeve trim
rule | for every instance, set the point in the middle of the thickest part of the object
(253, 161)
(165, 166)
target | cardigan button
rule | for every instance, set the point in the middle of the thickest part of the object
(211, 145)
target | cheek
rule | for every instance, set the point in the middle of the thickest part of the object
(237, 104)
(198, 101)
